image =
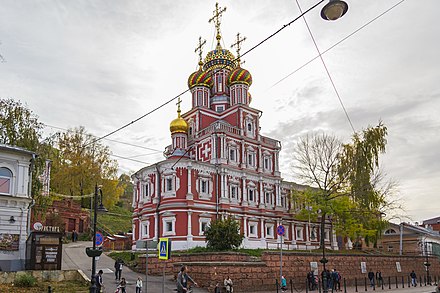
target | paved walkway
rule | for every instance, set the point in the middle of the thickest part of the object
(423, 289)
(74, 257)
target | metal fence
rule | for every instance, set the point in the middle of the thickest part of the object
(356, 284)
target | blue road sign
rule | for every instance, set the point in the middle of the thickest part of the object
(281, 230)
(99, 239)
(164, 248)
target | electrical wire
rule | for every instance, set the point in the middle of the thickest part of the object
(185, 91)
(326, 69)
(337, 43)
(112, 140)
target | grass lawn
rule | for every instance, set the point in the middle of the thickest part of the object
(116, 220)
(65, 287)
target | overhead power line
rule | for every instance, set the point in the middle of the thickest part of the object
(185, 91)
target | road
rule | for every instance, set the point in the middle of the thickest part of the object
(74, 257)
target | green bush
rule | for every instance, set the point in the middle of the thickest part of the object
(223, 234)
(26, 280)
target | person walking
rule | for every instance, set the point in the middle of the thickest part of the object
(228, 285)
(98, 281)
(182, 280)
(371, 278)
(139, 285)
(379, 278)
(121, 286)
(413, 278)
(283, 284)
(118, 269)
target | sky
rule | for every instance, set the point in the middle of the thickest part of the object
(102, 64)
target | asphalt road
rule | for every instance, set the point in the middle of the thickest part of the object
(74, 257)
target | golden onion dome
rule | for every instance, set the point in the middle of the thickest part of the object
(178, 125)
(218, 59)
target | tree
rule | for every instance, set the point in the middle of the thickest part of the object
(342, 177)
(80, 164)
(223, 234)
(20, 127)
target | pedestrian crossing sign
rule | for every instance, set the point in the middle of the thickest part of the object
(164, 248)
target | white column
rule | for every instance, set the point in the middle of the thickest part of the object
(244, 193)
(189, 235)
(189, 194)
(156, 227)
(243, 158)
(277, 194)
(245, 227)
(262, 229)
(262, 199)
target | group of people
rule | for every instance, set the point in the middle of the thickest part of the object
(375, 278)
(333, 279)
(183, 286)
(121, 282)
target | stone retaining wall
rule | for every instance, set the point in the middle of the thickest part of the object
(254, 274)
(51, 276)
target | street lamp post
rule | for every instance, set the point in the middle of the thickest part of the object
(94, 252)
(323, 260)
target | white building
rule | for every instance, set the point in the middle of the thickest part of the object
(15, 200)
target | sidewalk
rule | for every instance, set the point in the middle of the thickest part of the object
(423, 289)
(74, 257)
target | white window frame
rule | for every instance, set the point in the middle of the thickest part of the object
(253, 191)
(269, 230)
(205, 180)
(250, 158)
(174, 185)
(219, 108)
(236, 188)
(7, 178)
(165, 221)
(253, 225)
(203, 221)
(299, 233)
(145, 230)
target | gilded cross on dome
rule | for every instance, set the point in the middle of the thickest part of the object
(238, 45)
(199, 48)
(216, 18)
(178, 106)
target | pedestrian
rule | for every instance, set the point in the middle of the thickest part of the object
(311, 280)
(228, 285)
(98, 281)
(182, 280)
(118, 269)
(283, 284)
(371, 278)
(413, 278)
(379, 278)
(217, 288)
(437, 288)
(74, 236)
(121, 286)
(336, 277)
(139, 285)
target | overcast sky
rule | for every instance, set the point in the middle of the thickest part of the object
(102, 64)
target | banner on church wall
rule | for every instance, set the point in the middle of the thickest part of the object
(9, 242)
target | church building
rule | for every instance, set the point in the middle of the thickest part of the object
(219, 165)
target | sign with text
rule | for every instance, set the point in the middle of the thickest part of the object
(398, 267)
(164, 248)
(363, 267)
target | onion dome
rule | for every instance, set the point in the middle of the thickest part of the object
(219, 59)
(200, 78)
(178, 125)
(240, 75)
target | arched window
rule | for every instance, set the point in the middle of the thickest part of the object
(5, 180)
(390, 231)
